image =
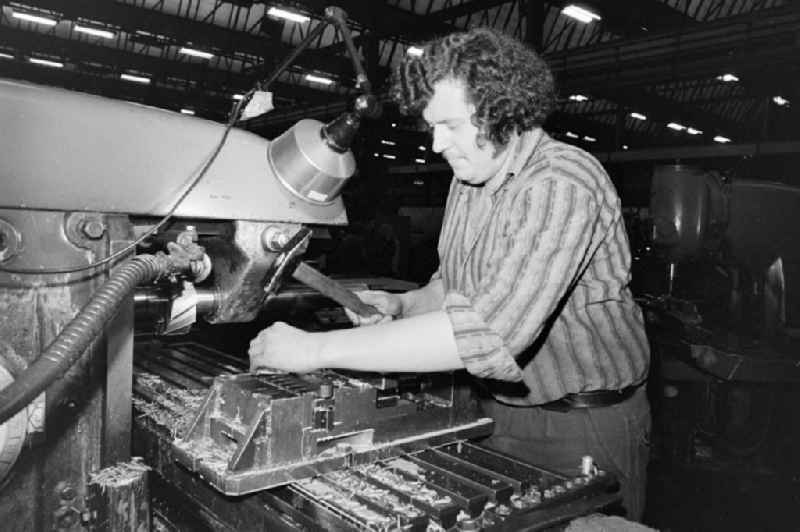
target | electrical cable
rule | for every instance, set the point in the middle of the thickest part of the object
(117, 255)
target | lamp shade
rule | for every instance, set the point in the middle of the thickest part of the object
(306, 164)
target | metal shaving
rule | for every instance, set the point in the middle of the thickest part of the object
(327, 493)
(416, 489)
(169, 406)
(119, 475)
(383, 497)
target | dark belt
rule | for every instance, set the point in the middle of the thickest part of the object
(593, 399)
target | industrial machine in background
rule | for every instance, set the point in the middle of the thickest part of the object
(718, 285)
(118, 219)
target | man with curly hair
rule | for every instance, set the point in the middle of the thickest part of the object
(531, 295)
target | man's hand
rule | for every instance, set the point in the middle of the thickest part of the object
(389, 305)
(283, 347)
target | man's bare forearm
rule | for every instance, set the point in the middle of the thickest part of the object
(420, 343)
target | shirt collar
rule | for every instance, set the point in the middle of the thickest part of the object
(521, 146)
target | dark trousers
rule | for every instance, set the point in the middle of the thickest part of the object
(616, 436)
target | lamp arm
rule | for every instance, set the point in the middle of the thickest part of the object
(338, 17)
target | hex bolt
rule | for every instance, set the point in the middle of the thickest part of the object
(274, 239)
(93, 229)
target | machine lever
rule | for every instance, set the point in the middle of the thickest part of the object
(290, 263)
(332, 289)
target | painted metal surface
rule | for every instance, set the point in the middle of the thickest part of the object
(65, 150)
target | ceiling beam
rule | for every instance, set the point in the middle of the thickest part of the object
(386, 20)
(130, 18)
(162, 70)
(749, 45)
(666, 110)
(761, 38)
(637, 17)
(466, 8)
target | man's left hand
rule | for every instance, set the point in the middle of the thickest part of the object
(283, 347)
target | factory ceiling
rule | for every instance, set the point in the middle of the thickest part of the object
(646, 73)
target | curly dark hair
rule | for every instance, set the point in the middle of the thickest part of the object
(511, 87)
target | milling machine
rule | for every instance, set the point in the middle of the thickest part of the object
(724, 318)
(117, 218)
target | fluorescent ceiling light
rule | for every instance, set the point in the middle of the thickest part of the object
(571, 135)
(38, 19)
(587, 138)
(238, 97)
(418, 182)
(135, 79)
(6, 56)
(389, 156)
(780, 100)
(624, 146)
(287, 15)
(319, 79)
(721, 139)
(676, 126)
(195, 53)
(420, 161)
(46, 62)
(580, 14)
(727, 78)
(416, 51)
(394, 124)
(388, 142)
(422, 148)
(187, 111)
(105, 34)
(638, 116)
(693, 131)
(578, 97)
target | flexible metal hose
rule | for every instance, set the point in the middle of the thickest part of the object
(73, 340)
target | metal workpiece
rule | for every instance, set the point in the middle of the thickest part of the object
(422, 484)
(259, 431)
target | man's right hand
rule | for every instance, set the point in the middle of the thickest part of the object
(389, 305)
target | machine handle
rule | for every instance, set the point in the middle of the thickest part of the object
(332, 289)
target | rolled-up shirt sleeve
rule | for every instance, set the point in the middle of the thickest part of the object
(547, 235)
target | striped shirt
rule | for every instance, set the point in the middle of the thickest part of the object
(535, 266)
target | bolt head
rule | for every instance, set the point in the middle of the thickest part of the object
(93, 229)
(274, 239)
